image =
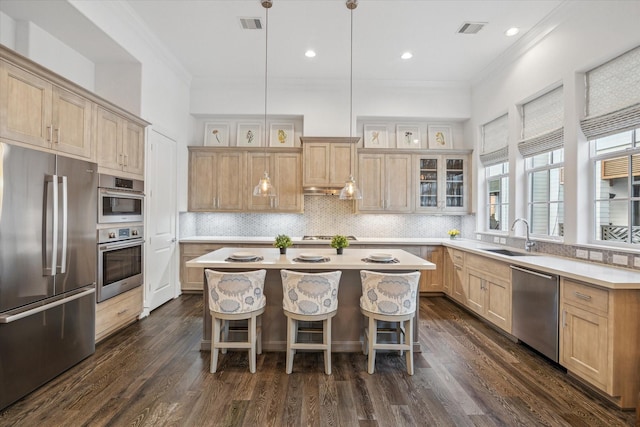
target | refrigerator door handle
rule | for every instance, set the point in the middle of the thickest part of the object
(8, 318)
(65, 225)
(53, 180)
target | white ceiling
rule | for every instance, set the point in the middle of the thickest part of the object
(206, 36)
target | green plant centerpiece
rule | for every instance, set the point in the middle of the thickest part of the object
(339, 242)
(283, 242)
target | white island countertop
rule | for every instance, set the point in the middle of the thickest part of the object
(351, 259)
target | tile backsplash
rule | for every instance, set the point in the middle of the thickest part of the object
(324, 215)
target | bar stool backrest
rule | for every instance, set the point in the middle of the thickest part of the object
(310, 293)
(391, 294)
(234, 293)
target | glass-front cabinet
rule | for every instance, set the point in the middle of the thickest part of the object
(443, 184)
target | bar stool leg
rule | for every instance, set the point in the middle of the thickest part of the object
(373, 338)
(252, 344)
(326, 336)
(399, 332)
(225, 333)
(409, 340)
(292, 328)
(215, 340)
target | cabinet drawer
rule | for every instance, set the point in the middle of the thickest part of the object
(198, 249)
(489, 266)
(457, 256)
(117, 312)
(585, 296)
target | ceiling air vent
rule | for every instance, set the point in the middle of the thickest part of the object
(471, 27)
(251, 23)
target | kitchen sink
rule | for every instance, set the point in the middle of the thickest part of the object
(506, 252)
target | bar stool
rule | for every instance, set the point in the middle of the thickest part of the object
(235, 296)
(389, 298)
(309, 297)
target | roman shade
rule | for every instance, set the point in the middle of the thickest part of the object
(495, 141)
(543, 124)
(613, 96)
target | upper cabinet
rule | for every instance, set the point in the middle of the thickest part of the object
(36, 112)
(120, 145)
(222, 179)
(328, 162)
(216, 180)
(442, 183)
(386, 182)
(43, 110)
(285, 172)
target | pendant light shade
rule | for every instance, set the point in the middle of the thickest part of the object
(350, 191)
(264, 187)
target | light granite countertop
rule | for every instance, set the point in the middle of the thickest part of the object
(589, 272)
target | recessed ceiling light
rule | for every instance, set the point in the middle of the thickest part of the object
(407, 55)
(310, 54)
(512, 31)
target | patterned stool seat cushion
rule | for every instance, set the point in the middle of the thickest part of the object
(234, 293)
(390, 294)
(310, 293)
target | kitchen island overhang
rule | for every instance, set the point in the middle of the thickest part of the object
(347, 325)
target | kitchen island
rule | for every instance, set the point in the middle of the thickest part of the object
(348, 322)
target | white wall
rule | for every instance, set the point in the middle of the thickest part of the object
(586, 34)
(121, 84)
(325, 103)
(7, 31)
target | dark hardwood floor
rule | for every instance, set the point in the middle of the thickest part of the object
(153, 374)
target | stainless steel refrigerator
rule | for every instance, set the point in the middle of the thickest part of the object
(48, 210)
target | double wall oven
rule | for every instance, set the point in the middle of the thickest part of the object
(120, 236)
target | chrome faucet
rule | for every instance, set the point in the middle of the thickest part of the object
(528, 244)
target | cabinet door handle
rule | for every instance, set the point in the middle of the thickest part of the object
(50, 132)
(126, 158)
(121, 162)
(57, 141)
(582, 296)
(564, 318)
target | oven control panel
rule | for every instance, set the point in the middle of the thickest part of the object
(120, 234)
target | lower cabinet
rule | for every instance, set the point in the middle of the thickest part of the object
(432, 280)
(454, 275)
(488, 289)
(117, 312)
(600, 338)
(192, 279)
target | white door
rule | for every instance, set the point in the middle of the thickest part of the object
(161, 221)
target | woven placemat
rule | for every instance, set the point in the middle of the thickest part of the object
(255, 259)
(375, 261)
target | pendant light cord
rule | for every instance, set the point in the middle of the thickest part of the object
(266, 68)
(351, 80)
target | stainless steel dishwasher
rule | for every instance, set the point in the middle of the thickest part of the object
(535, 305)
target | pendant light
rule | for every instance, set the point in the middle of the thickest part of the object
(350, 191)
(264, 187)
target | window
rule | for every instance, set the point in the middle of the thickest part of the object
(545, 178)
(497, 179)
(612, 126)
(543, 149)
(616, 202)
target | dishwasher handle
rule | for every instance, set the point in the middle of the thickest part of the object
(524, 270)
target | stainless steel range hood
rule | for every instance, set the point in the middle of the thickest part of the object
(321, 191)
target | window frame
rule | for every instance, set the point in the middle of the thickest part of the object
(530, 171)
(628, 152)
(504, 207)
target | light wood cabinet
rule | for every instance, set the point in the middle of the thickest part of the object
(488, 289)
(600, 338)
(192, 279)
(442, 183)
(34, 111)
(432, 280)
(118, 312)
(386, 182)
(285, 171)
(120, 145)
(454, 275)
(327, 162)
(217, 180)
